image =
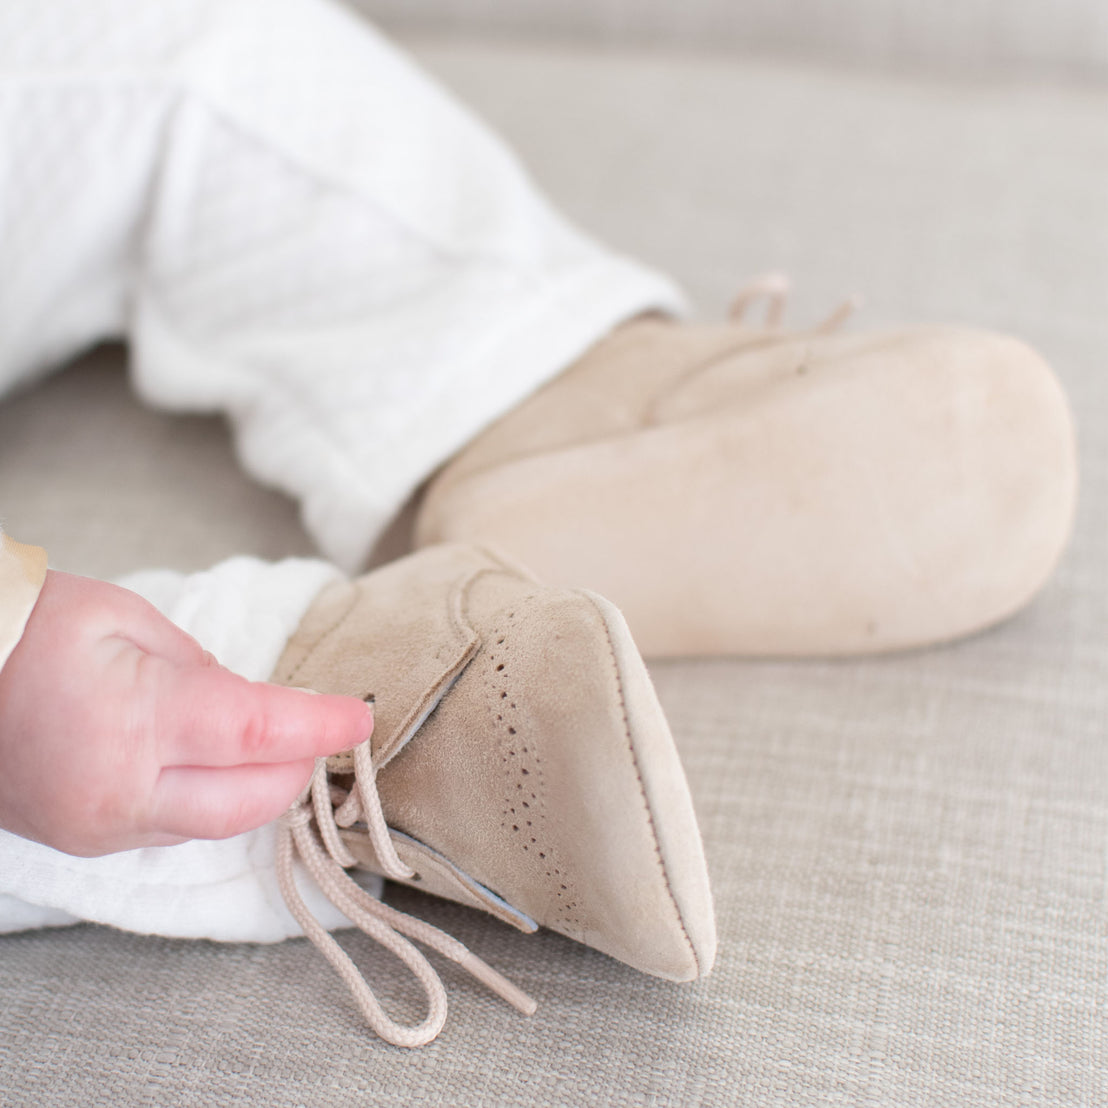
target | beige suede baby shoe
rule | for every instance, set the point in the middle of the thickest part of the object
(750, 491)
(520, 763)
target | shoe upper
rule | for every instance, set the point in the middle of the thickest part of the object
(771, 493)
(522, 760)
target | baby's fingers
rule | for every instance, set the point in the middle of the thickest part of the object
(197, 803)
(208, 716)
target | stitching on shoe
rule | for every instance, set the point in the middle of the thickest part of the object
(739, 344)
(642, 787)
(874, 343)
(413, 723)
(456, 608)
(524, 811)
(762, 341)
(736, 347)
(542, 860)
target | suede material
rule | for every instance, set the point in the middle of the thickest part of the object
(545, 770)
(420, 641)
(663, 783)
(610, 391)
(789, 495)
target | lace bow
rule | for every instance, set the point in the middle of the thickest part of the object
(326, 858)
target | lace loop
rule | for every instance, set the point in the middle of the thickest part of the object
(365, 776)
(327, 857)
(775, 288)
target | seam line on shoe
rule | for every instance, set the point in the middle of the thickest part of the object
(648, 421)
(736, 346)
(642, 788)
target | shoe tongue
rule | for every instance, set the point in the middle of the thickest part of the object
(397, 635)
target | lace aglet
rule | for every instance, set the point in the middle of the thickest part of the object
(498, 983)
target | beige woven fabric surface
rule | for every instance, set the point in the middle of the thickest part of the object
(1032, 36)
(910, 855)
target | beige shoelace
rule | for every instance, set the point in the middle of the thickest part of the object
(774, 288)
(326, 858)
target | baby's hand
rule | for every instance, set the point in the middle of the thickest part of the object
(118, 731)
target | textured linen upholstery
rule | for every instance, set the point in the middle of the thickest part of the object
(909, 854)
(1031, 36)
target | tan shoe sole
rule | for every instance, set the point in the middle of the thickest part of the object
(813, 495)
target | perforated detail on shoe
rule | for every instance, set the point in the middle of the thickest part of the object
(523, 814)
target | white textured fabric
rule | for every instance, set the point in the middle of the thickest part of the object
(243, 611)
(292, 225)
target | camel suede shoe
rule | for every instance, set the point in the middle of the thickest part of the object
(749, 491)
(520, 763)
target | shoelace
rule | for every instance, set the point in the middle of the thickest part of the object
(326, 858)
(775, 288)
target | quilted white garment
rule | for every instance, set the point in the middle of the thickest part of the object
(293, 226)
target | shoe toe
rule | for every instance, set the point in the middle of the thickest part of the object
(549, 775)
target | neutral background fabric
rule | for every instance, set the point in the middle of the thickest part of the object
(1032, 37)
(910, 854)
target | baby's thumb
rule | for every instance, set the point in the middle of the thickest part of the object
(212, 717)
